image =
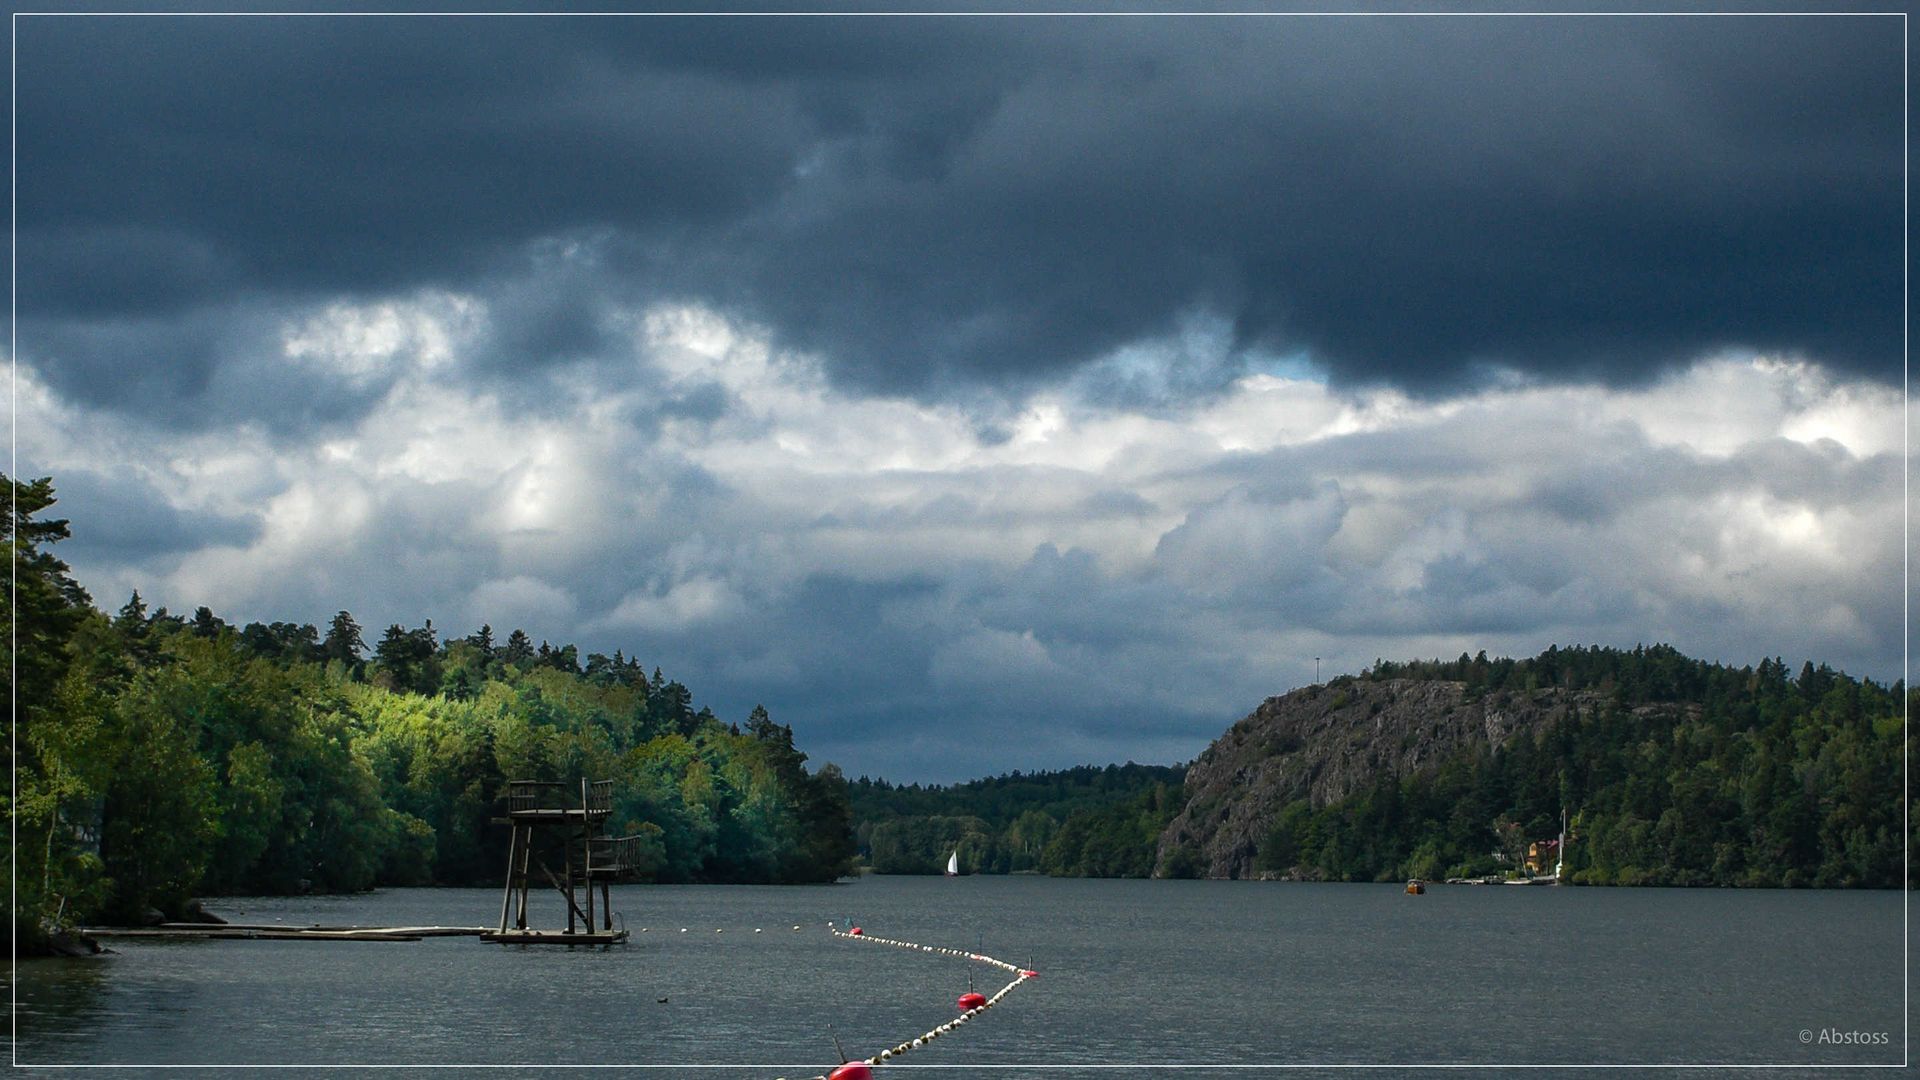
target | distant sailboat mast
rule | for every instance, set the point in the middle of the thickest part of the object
(1560, 852)
(953, 863)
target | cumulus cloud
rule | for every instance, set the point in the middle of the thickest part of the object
(676, 608)
(363, 342)
(896, 581)
(1250, 540)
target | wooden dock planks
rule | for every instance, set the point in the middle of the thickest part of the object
(417, 931)
(258, 932)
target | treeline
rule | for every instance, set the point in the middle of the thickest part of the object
(1685, 773)
(1089, 821)
(163, 757)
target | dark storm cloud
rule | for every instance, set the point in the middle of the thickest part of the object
(878, 676)
(125, 521)
(937, 203)
(166, 369)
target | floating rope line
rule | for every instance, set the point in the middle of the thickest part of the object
(973, 1007)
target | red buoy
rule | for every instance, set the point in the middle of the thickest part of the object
(972, 1000)
(1031, 974)
(852, 1070)
(855, 931)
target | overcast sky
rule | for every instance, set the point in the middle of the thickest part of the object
(979, 393)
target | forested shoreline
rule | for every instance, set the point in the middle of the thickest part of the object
(1671, 770)
(1090, 821)
(163, 757)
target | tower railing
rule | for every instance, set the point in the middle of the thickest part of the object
(617, 856)
(527, 795)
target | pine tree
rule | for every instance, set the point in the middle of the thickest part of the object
(343, 641)
(482, 640)
(519, 648)
(205, 623)
(761, 726)
(407, 656)
(132, 620)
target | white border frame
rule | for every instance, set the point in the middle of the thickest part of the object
(1905, 504)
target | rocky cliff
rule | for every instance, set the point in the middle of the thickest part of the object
(1324, 743)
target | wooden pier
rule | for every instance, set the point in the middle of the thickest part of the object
(548, 827)
(258, 932)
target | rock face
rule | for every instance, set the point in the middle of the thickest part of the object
(1324, 743)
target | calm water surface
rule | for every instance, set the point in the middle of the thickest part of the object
(1131, 972)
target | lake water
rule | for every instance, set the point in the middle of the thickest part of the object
(1132, 972)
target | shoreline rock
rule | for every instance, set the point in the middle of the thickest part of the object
(64, 943)
(195, 912)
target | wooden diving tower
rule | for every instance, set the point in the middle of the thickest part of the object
(549, 828)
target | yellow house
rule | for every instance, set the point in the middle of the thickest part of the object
(1541, 856)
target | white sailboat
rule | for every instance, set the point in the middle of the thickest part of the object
(953, 863)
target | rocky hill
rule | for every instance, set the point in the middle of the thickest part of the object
(1324, 743)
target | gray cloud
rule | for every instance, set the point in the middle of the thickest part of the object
(124, 521)
(937, 204)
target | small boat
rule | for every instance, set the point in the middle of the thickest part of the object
(1416, 887)
(953, 863)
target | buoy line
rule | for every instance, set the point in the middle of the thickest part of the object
(971, 1004)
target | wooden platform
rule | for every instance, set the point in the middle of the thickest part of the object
(555, 937)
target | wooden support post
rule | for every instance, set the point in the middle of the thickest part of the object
(586, 848)
(506, 898)
(566, 857)
(526, 854)
(587, 876)
(573, 909)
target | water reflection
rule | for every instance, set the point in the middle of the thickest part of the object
(61, 999)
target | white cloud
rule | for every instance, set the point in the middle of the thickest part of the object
(681, 606)
(365, 341)
(1728, 402)
(1250, 540)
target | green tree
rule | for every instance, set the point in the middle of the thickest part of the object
(482, 640)
(57, 775)
(408, 659)
(343, 642)
(519, 650)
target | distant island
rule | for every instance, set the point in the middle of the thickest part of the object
(1670, 770)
